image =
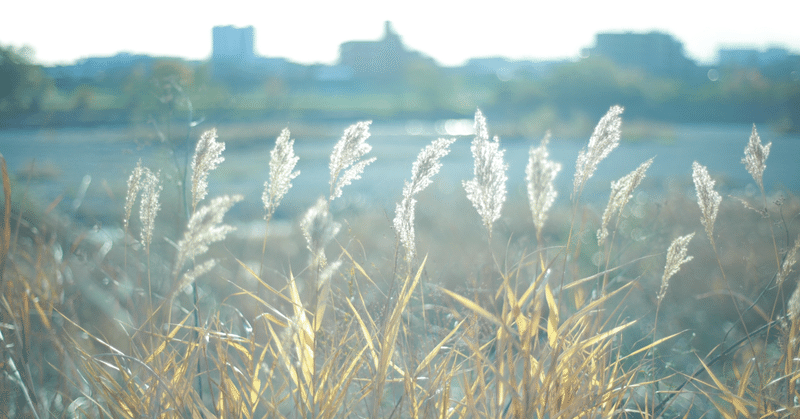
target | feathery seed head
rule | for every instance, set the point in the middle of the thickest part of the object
(487, 191)
(207, 155)
(605, 138)
(676, 256)
(481, 131)
(319, 229)
(346, 154)
(133, 192)
(282, 162)
(541, 173)
(424, 168)
(707, 198)
(755, 157)
(205, 227)
(621, 193)
(149, 206)
(788, 263)
(793, 310)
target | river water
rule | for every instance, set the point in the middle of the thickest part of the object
(86, 168)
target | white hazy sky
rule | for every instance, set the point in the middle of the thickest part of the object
(449, 31)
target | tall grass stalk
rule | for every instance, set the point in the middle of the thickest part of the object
(335, 339)
(281, 172)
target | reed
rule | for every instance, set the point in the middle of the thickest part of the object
(339, 331)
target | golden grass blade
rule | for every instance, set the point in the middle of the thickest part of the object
(347, 377)
(365, 332)
(650, 346)
(473, 306)
(727, 394)
(391, 331)
(6, 211)
(435, 351)
(166, 340)
(552, 318)
(261, 281)
(303, 336)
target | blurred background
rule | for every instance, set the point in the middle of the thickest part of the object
(85, 91)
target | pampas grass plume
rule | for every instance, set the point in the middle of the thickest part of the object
(676, 256)
(487, 191)
(707, 198)
(604, 139)
(755, 157)
(540, 174)
(621, 193)
(205, 227)
(133, 192)
(207, 155)
(319, 229)
(346, 156)
(424, 168)
(282, 162)
(149, 206)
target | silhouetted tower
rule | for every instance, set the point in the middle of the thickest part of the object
(233, 44)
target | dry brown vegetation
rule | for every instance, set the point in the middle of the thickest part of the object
(582, 312)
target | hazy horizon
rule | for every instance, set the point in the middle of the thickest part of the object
(449, 32)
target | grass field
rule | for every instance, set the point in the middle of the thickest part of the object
(683, 305)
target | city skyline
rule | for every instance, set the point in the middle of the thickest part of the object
(448, 32)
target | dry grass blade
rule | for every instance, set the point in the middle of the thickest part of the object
(392, 327)
(6, 244)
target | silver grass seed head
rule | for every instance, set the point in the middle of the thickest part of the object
(604, 139)
(481, 131)
(346, 156)
(755, 157)
(424, 168)
(205, 227)
(621, 193)
(149, 206)
(676, 256)
(207, 155)
(133, 191)
(191, 275)
(540, 174)
(487, 191)
(282, 162)
(788, 263)
(793, 309)
(319, 229)
(707, 198)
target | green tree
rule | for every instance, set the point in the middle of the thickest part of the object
(22, 83)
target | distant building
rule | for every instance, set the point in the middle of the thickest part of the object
(233, 45)
(386, 57)
(748, 57)
(655, 52)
